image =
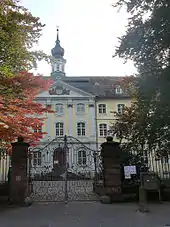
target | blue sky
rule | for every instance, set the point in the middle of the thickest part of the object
(88, 33)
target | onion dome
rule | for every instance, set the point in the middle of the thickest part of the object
(57, 51)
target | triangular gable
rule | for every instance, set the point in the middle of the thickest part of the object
(62, 89)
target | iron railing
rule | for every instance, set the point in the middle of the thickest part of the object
(4, 166)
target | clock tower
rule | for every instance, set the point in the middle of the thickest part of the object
(58, 62)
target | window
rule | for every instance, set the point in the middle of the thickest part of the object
(80, 108)
(82, 158)
(120, 108)
(118, 89)
(38, 129)
(81, 130)
(37, 158)
(102, 108)
(58, 68)
(59, 129)
(103, 130)
(59, 109)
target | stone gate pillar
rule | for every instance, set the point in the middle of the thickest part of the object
(110, 154)
(19, 179)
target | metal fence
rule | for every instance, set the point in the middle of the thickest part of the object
(4, 166)
(147, 162)
(161, 166)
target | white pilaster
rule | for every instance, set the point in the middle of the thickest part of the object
(70, 118)
(48, 124)
(92, 117)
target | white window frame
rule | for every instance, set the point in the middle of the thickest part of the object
(60, 107)
(59, 129)
(81, 129)
(60, 67)
(103, 130)
(82, 157)
(80, 108)
(118, 89)
(120, 108)
(36, 158)
(102, 108)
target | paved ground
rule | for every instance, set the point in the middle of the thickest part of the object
(92, 214)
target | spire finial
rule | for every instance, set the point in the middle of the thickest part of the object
(58, 33)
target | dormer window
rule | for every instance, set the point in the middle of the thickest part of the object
(118, 89)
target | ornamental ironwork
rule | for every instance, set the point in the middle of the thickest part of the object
(67, 171)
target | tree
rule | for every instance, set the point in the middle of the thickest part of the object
(19, 114)
(23, 116)
(19, 32)
(147, 43)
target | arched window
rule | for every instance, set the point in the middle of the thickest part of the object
(59, 127)
(80, 108)
(82, 157)
(103, 130)
(60, 67)
(81, 129)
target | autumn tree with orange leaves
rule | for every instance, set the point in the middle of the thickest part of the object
(20, 115)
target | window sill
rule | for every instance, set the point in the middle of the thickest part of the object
(59, 114)
(78, 113)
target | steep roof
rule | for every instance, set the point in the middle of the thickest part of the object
(101, 87)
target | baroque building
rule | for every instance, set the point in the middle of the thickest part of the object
(84, 107)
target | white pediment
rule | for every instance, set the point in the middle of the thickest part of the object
(61, 89)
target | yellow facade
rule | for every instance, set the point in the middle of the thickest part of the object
(108, 117)
(53, 118)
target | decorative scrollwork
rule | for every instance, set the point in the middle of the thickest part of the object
(69, 165)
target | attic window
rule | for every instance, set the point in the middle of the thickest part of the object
(96, 84)
(118, 89)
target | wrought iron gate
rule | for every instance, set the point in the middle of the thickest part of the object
(63, 170)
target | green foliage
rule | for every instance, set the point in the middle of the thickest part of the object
(147, 43)
(19, 32)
